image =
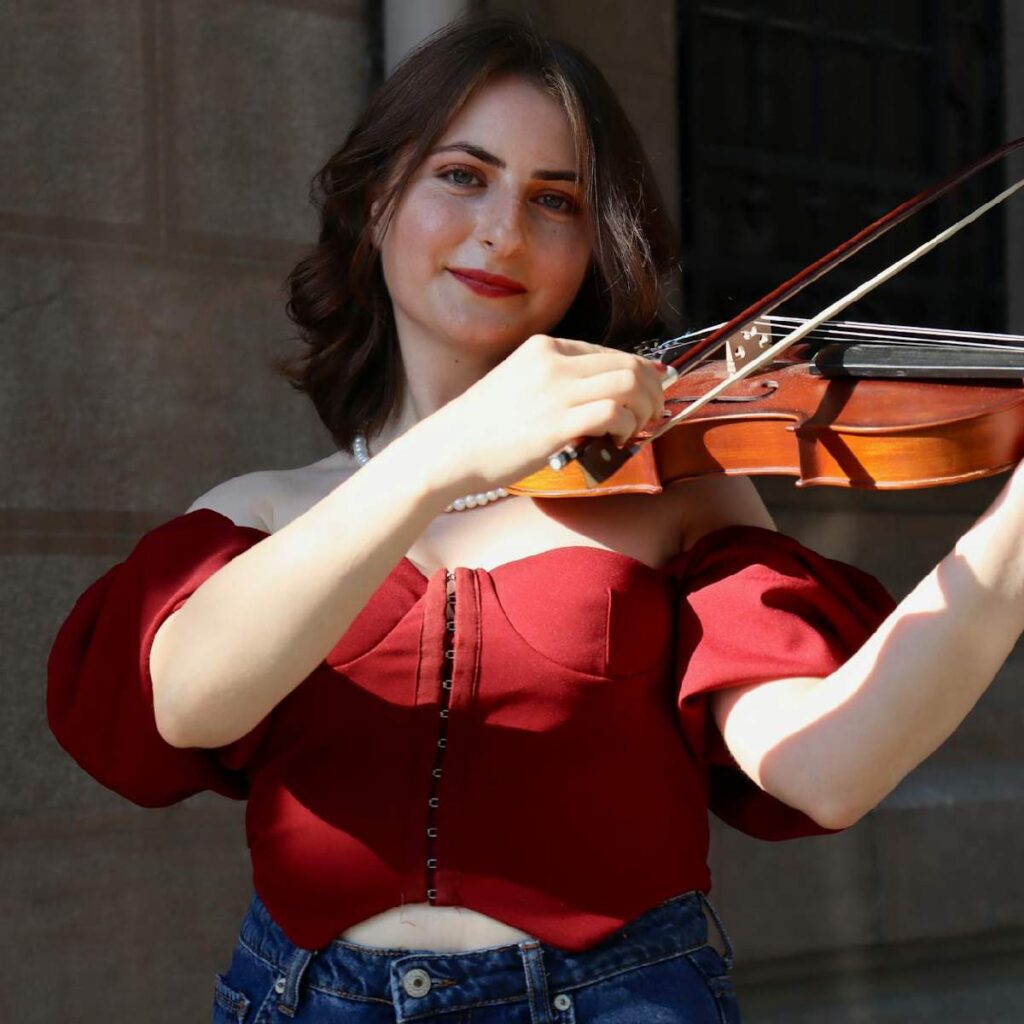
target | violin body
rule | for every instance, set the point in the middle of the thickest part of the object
(871, 434)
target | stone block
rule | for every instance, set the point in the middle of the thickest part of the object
(968, 498)
(124, 918)
(948, 848)
(149, 384)
(793, 897)
(955, 987)
(916, 913)
(262, 95)
(73, 135)
(897, 876)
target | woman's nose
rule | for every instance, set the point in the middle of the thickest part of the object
(501, 224)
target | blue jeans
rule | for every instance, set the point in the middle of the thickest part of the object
(657, 969)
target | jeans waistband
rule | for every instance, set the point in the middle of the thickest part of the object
(423, 982)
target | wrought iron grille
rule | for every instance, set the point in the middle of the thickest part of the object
(801, 121)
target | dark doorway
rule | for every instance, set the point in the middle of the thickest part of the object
(801, 121)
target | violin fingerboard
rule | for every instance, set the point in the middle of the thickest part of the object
(917, 362)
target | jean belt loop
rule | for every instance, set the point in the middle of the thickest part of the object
(288, 1004)
(728, 958)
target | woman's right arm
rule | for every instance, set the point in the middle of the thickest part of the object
(256, 628)
(261, 624)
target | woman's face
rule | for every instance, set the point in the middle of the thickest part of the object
(499, 198)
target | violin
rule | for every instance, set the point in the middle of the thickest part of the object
(829, 402)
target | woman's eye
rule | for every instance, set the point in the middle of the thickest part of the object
(457, 170)
(560, 204)
(568, 206)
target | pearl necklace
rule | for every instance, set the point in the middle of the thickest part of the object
(362, 455)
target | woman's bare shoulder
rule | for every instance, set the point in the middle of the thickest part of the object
(247, 500)
(267, 499)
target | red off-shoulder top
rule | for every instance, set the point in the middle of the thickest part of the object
(549, 761)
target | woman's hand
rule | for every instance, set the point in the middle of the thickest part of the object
(548, 393)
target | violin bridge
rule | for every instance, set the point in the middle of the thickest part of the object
(744, 345)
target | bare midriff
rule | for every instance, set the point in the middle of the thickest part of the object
(441, 929)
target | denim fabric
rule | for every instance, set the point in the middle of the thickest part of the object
(657, 969)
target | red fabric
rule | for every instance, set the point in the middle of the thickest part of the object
(580, 756)
(100, 693)
(757, 605)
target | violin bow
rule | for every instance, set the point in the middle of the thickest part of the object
(600, 458)
(769, 353)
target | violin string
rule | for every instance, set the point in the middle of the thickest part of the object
(857, 325)
(914, 335)
(768, 354)
(1009, 342)
(860, 331)
(937, 343)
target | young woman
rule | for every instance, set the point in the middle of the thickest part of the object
(479, 734)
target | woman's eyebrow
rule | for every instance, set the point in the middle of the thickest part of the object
(495, 161)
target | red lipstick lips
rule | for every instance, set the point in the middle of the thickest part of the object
(487, 284)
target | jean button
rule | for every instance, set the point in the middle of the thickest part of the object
(280, 984)
(416, 982)
(562, 1001)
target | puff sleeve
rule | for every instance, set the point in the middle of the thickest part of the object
(99, 698)
(754, 605)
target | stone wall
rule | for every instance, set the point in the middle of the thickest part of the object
(156, 165)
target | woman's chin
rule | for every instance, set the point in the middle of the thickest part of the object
(488, 337)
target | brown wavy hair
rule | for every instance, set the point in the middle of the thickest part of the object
(351, 365)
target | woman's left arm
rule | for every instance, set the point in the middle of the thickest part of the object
(834, 747)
